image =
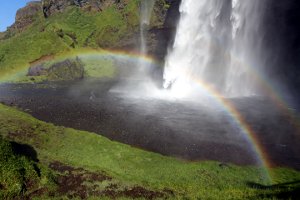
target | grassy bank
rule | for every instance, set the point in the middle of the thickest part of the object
(129, 167)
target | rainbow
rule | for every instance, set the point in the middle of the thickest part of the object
(210, 91)
(239, 121)
(275, 96)
(22, 70)
(265, 84)
(229, 108)
(218, 98)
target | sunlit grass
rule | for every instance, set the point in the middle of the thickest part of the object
(204, 180)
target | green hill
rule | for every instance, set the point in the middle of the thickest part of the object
(36, 35)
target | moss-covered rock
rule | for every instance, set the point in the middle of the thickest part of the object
(66, 70)
(49, 68)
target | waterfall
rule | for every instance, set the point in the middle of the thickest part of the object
(217, 42)
(146, 8)
(146, 11)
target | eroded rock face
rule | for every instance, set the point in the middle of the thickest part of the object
(53, 6)
(163, 23)
(26, 16)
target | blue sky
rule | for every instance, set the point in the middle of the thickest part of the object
(8, 9)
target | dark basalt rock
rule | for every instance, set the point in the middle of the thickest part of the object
(173, 14)
(160, 34)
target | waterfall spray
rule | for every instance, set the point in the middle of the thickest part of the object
(146, 11)
(217, 41)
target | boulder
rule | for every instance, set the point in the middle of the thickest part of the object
(37, 70)
(69, 69)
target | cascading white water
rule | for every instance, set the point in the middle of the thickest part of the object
(217, 42)
(247, 49)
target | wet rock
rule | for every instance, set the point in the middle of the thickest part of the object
(173, 14)
(160, 32)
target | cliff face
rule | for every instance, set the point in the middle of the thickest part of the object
(47, 8)
(161, 33)
(51, 27)
(26, 16)
(51, 7)
(282, 42)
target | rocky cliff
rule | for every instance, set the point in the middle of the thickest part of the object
(163, 22)
(26, 16)
(51, 7)
(51, 27)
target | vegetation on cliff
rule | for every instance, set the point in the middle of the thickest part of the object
(73, 28)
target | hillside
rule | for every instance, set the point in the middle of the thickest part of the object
(51, 28)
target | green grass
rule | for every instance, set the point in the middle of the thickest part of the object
(190, 180)
(98, 67)
(94, 66)
(64, 32)
(18, 174)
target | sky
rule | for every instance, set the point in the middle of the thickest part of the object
(8, 9)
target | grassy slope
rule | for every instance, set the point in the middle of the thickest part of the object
(131, 166)
(19, 173)
(65, 31)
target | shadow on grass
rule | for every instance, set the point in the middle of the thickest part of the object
(27, 151)
(289, 190)
(24, 150)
